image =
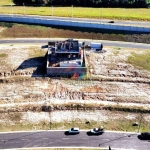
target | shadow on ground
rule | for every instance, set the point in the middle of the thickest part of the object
(91, 134)
(144, 139)
(67, 133)
(36, 64)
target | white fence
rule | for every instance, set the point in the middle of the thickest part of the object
(61, 22)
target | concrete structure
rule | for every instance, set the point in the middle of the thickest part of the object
(73, 23)
(97, 46)
(66, 58)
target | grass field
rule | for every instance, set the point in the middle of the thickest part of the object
(6, 2)
(116, 124)
(79, 12)
(141, 61)
(12, 30)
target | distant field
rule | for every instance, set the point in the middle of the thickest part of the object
(142, 61)
(12, 30)
(79, 12)
(6, 2)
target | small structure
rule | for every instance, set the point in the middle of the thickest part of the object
(66, 58)
(96, 46)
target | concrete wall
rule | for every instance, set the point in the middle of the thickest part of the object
(57, 71)
(82, 24)
(66, 71)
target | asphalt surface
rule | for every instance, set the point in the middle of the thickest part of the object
(60, 139)
(105, 43)
(105, 21)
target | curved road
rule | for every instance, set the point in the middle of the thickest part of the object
(105, 43)
(60, 139)
(105, 21)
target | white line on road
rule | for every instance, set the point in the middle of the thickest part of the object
(85, 138)
(4, 140)
(105, 139)
(45, 138)
(65, 138)
(24, 139)
(146, 142)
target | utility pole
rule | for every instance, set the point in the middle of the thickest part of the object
(72, 11)
(101, 16)
(50, 117)
(12, 10)
(123, 13)
(140, 123)
(24, 9)
(52, 11)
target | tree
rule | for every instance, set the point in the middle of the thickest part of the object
(18, 2)
(28, 2)
(87, 3)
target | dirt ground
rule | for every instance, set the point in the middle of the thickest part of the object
(127, 84)
(22, 82)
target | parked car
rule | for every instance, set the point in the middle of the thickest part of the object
(145, 136)
(97, 131)
(74, 130)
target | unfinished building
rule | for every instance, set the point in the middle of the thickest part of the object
(66, 58)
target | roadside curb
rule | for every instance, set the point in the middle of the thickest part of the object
(88, 148)
(107, 131)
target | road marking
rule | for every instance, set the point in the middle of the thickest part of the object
(146, 142)
(4, 140)
(85, 138)
(105, 139)
(45, 138)
(124, 140)
(63, 130)
(65, 138)
(24, 139)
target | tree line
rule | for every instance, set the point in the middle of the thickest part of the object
(87, 3)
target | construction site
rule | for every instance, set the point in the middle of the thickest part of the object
(66, 58)
(112, 83)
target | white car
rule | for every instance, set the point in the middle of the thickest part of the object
(97, 131)
(75, 130)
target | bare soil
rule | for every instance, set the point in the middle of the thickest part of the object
(113, 82)
(27, 31)
(24, 61)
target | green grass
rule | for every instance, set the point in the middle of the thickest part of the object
(3, 55)
(141, 61)
(79, 12)
(13, 30)
(116, 125)
(36, 52)
(6, 2)
(111, 124)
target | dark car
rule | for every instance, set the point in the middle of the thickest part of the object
(145, 136)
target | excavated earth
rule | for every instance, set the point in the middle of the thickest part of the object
(112, 81)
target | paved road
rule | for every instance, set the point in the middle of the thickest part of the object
(59, 139)
(119, 22)
(105, 43)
